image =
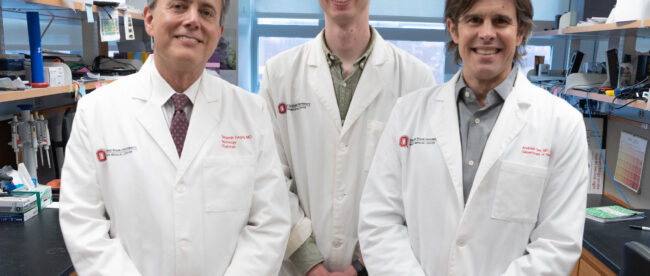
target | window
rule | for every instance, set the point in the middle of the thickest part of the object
(276, 34)
(271, 46)
(431, 53)
(528, 61)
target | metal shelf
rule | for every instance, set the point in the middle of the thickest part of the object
(638, 28)
(65, 12)
(608, 99)
(40, 92)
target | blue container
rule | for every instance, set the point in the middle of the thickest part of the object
(35, 51)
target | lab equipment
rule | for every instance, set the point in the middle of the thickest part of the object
(30, 136)
(35, 51)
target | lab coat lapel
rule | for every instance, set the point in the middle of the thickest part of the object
(320, 80)
(511, 121)
(150, 114)
(444, 122)
(203, 122)
(370, 83)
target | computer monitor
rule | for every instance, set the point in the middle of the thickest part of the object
(642, 67)
(576, 60)
(612, 69)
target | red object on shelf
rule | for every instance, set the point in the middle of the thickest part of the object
(39, 84)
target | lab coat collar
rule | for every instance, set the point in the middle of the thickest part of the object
(512, 119)
(150, 114)
(444, 122)
(369, 86)
(203, 121)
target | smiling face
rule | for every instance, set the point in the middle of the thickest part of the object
(344, 11)
(185, 32)
(487, 36)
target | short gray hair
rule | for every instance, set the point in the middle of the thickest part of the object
(224, 7)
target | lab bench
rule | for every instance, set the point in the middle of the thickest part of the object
(603, 243)
(34, 247)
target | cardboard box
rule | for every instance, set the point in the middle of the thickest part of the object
(19, 217)
(17, 203)
(43, 195)
(18, 207)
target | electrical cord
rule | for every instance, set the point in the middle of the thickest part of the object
(602, 157)
(628, 103)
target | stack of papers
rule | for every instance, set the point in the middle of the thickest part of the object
(592, 21)
(613, 213)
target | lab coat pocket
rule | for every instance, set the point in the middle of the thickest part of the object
(228, 183)
(374, 130)
(518, 192)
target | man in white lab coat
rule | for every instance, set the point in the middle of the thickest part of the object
(173, 171)
(329, 100)
(483, 175)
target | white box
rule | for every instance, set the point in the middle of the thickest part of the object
(19, 217)
(17, 203)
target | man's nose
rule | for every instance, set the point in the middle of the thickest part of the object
(487, 31)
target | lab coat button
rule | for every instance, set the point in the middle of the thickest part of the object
(477, 121)
(183, 245)
(337, 243)
(471, 162)
(460, 242)
(180, 188)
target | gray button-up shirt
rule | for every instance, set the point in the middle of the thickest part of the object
(476, 123)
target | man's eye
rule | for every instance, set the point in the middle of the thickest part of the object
(501, 21)
(208, 13)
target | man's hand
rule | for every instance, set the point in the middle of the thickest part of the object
(350, 271)
(319, 270)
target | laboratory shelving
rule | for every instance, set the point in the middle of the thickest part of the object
(8, 96)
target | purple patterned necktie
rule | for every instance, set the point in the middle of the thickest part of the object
(179, 124)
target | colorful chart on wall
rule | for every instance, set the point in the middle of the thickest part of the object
(629, 166)
(109, 28)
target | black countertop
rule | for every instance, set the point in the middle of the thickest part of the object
(34, 247)
(607, 240)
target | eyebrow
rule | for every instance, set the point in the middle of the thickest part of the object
(498, 15)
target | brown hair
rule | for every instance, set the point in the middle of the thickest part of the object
(455, 8)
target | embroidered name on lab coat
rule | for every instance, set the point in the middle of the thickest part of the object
(103, 154)
(405, 141)
(230, 142)
(536, 151)
(282, 108)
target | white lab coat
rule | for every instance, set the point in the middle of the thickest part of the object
(216, 210)
(326, 163)
(525, 213)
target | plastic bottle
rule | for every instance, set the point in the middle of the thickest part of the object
(626, 71)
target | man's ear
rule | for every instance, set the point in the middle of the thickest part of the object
(453, 30)
(148, 20)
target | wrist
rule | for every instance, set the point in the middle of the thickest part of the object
(359, 268)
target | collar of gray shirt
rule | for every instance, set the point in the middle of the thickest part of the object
(502, 90)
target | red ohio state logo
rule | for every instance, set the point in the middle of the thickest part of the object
(404, 141)
(282, 108)
(101, 155)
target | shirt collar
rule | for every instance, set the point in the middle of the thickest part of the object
(332, 59)
(164, 91)
(503, 89)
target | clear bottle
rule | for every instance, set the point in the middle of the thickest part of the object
(626, 71)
